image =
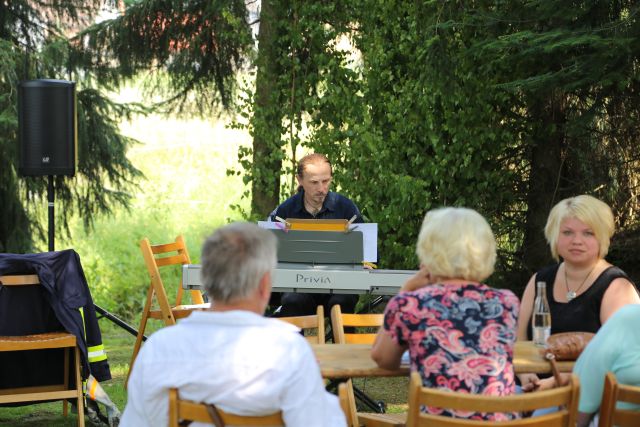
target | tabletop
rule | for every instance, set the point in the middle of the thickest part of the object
(354, 360)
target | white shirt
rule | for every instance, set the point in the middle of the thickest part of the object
(244, 363)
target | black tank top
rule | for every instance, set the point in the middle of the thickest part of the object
(583, 312)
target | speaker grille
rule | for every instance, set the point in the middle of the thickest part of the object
(47, 122)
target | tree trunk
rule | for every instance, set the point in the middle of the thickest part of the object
(544, 178)
(267, 119)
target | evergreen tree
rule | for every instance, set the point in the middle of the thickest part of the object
(574, 67)
(35, 44)
(190, 53)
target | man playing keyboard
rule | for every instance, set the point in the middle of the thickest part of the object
(313, 200)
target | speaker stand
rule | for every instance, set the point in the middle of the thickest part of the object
(115, 319)
(51, 197)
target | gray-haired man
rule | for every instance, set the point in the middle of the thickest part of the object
(231, 355)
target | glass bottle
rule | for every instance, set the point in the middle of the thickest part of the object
(541, 319)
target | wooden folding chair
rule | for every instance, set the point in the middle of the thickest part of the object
(154, 258)
(341, 320)
(50, 340)
(348, 404)
(184, 410)
(614, 392)
(309, 324)
(565, 397)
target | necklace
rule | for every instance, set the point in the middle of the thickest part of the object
(570, 293)
(312, 209)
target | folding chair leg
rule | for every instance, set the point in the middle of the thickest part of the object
(179, 296)
(65, 404)
(141, 330)
(174, 419)
(196, 296)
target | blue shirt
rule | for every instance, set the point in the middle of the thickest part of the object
(615, 348)
(335, 206)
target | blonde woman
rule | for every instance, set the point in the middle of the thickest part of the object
(459, 332)
(583, 289)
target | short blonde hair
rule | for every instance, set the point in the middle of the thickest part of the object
(456, 243)
(593, 212)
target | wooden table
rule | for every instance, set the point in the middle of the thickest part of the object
(527, 358)
(354, 360)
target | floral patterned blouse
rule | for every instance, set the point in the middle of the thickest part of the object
(460, 337)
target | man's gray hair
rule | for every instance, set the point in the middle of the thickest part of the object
(234, 259)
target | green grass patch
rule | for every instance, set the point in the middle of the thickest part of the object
(186, 191)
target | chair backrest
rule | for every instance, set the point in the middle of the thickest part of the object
(26, 308)
(613, 393)
(20, 280)
(156, 256)
(340, 320)
(309, 323)
(184, 410)
(565, 397)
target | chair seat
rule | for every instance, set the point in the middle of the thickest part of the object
(204, 306)
(37, 341)
(49, 340)
(180, 311)
(62, 340)
(37, 394)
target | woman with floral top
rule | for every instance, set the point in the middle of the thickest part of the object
(460, 333)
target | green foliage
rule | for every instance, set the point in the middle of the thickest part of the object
(35, 45)
(189, 51)
(394, 115)
(15, 227)
(505, 107)
(295, 42)
(417, 120)
(186, 192)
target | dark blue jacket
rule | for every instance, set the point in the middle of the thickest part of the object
(63, 301)
(335, 206)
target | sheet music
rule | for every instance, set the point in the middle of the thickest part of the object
(369, 239)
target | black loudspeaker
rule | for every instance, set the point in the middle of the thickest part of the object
(48, 129)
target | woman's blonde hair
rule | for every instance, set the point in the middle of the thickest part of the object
(593, 212)
(456, 243)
